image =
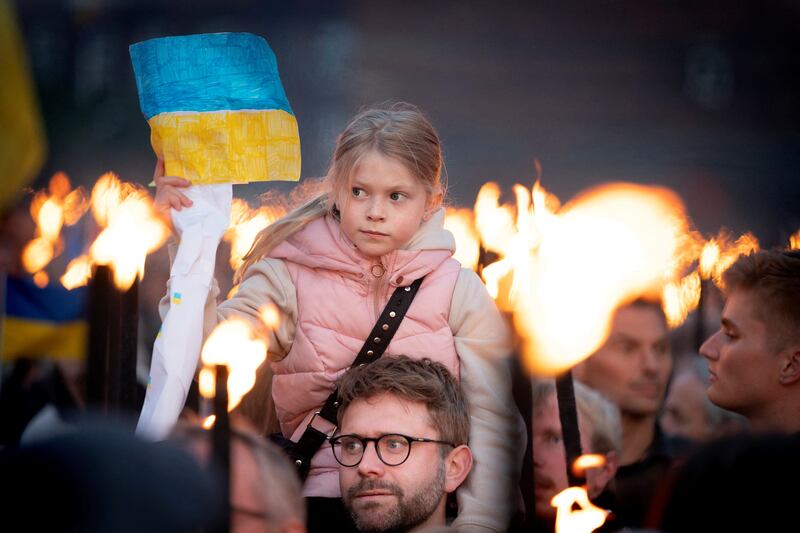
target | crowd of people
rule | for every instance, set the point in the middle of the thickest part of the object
(428, 436)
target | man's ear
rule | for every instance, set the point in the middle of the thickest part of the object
(457, 466)
(598, 478)
(790, 368)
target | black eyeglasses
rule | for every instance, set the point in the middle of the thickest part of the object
(393, 449)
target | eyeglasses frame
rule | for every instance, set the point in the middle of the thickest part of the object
(366, 440)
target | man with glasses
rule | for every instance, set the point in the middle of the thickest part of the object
(401, 444)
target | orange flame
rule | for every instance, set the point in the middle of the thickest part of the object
(245, 225)
(586, 518)
(37, 254)
(680, 298)
(460, 223)
(564, 271)
(78, 272)
(719, 253)
(588, 461)
(794, 241)
(132, 229)
(232, 343)
(51, 210)
(208, 422)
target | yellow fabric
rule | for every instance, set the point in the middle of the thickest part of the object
(23, 148)
(228, 146)
(35, 338)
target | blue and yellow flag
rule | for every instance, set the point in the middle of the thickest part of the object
(22, 149)
(44, 322)
(216, 108)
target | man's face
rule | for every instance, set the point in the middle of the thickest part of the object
(744, 370)
(685, 408)
(549, 457)
(633, 366)
(397, 498)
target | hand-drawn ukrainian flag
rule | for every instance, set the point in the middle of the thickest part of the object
(43, 322)
(216, 108)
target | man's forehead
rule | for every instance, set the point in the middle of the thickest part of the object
(740, 309)
(639, 322)
(385, 413)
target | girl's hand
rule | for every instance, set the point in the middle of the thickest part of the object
(168, 194)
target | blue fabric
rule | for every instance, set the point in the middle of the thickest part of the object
(53, 303)
(207, 72)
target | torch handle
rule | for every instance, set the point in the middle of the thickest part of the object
(568, 414)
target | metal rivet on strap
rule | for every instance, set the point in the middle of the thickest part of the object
(336, 404)
(408, 289)
(376, 340)
(385, 327)
(370, 352)
(392, 314)
(299, 462)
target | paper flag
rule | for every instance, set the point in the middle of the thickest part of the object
(216, 108)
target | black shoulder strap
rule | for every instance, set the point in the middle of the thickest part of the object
(373, 348)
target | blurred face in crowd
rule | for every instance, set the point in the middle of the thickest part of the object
(550, 462)
(685, 412)
(744, 369)
(412, 494)
(633, 366)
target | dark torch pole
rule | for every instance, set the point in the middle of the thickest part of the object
(221, 444)
(101, 292)
(568, 414)
(700, 325)
(128, 349)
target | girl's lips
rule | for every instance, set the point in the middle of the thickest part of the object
(374, 233)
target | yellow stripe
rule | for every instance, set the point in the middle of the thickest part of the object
(32, 338)
(228, 146)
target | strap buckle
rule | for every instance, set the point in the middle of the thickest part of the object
(331, 428)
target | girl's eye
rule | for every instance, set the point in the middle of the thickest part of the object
(396, 196)
(357, 191)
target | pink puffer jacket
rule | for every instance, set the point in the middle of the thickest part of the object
(336, 309)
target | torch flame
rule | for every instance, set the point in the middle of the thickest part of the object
(37, 254)
(719, 253)
(132, 229)
(245, 225)
(680, 298)
(78, 272)
(208, 422)
(460, 223)
(232, 343)
(588, 461)
(583, 520)
(794, 241)
(565, 271)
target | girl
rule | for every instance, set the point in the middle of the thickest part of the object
(331, 265)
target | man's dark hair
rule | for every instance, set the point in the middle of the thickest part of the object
(413, 380)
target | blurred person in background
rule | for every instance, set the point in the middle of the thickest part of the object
(632, 370)
(754, 358)
(99, 478)
(264, 487)
(601, 433)
(689, 413)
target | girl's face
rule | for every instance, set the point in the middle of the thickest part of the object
(384, 205)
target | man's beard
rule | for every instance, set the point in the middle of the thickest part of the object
(407, 514)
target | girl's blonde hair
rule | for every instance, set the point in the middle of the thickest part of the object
(400, 131)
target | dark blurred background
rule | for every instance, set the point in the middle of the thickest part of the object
(699, 96)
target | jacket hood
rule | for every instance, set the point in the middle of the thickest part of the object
(322, 245)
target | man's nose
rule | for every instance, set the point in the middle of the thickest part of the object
(371, 464)
(710, 349)
(649, 360)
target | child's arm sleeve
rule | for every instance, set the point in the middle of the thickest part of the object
(490, 494)
(267, 281)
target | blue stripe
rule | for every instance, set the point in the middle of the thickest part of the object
(54, 303)
(207, 72)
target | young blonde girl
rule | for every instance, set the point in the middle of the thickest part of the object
(331, 265)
